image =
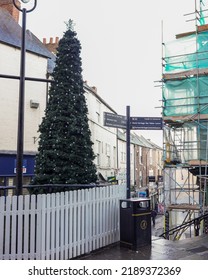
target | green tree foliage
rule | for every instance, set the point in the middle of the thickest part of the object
(65, 154)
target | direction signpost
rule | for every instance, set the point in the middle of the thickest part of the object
(113, 120)
(128, 123)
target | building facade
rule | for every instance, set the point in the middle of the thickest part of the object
(39, 63)
(103, 137)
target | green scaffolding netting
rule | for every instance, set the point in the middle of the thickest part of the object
(185, 93)
(202, 11)
(185, 97)
(186, 53)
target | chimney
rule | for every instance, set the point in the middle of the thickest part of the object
(94, 89)
(52, 45)
(9, 7)
(57, 40)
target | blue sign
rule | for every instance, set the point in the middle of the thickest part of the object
(147, 123)
(136, 123)
(8, 165)
(113, 120)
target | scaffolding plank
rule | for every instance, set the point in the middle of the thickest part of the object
(197, 162)
(183, 207)
(200, 28)
(185, 34)
(185, 118)
(185, 74)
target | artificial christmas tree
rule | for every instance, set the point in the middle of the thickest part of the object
(65, 154)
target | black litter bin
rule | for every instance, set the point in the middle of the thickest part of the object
(135, 223)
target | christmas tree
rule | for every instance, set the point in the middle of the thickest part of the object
(65, 154)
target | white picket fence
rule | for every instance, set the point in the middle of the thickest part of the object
(59, 226)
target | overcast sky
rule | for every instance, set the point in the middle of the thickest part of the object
(121, 45)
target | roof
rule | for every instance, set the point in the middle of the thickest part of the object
(90, 89)
(10, 34)
(149, 143)
(138, 140)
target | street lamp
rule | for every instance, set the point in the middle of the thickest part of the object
(20, 130)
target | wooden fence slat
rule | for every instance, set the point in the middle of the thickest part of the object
(32, 226)
(48, 225)
(87, 221)
(20, 229)
(2, 203)
(62, 227)
(70, 224)
(43, 226)
(75, 225)
(14, 227)
(82, 226)
(26, 229)
(106, 216)
(114, 215)
(7, 227)
(118, 214)
(38, 227)
(57, 227)
(66, 226)
(53, 203)
(100, 217)
(79, 200)
(111, 216)
(109, 213)
(94, 219)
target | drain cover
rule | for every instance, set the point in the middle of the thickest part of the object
(198, 249)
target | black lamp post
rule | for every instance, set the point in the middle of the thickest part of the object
(20, 130)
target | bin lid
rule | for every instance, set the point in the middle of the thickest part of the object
(136, 199)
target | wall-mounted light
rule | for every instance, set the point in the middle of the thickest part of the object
(34, 104)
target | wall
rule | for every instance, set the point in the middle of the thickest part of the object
(104, 138)
(36, 67)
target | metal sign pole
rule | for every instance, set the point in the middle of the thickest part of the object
(128, 123)
(128, 153)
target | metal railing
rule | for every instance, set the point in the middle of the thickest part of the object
(196, 222)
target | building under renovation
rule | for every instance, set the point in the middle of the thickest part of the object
(185, 114)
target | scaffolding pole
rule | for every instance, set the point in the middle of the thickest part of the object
(185, 144)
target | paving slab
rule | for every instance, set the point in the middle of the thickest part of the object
(195, 248)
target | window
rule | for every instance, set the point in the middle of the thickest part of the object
(150, 156)
(140, 155)
(98, 152)
(108, 161)
(114, 157)
(123, 156)
(98, 110)
(107, 149)
(140, 179)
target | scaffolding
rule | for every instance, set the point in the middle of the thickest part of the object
(185, 135)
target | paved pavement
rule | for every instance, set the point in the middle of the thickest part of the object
(195, 248)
